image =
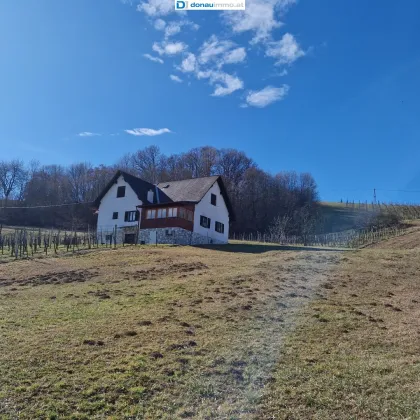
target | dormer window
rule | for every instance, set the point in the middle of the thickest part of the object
(121, 192)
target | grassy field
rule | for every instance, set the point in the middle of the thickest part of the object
(355, 352)
(159, 332)
(241, 331)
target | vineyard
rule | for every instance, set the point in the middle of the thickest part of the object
(20, 242)
(348, 239)
(24, 242)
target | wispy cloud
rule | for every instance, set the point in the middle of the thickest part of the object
(224, 83)
(88, 134)
(286, 50)
(268, 95)
(174, 27)
(237, 55)
(147, 131)
(156, 7)
(213, 48)
(159, 24)
(189, 63)
(259, 17)
(175, 78)
(169, 48)
(217, 53)
(153, 58)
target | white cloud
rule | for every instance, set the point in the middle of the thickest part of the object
(213, 49)
(152, 58)
(88, 134)
(259, 17)
(286, 50)
(175, 78)
(156, 7)
(268, 95)
(218, 53)
(147, 131)
(225, 83)
(235, 56)
(160, 24)
(169, 48)
(173, 28)
(189, 64)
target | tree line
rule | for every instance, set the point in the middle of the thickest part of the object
(259, 198)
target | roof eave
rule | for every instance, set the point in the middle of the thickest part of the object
(168, 204)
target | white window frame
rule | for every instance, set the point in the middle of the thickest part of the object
(172, 212)
(162, 213)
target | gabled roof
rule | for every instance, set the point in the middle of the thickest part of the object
(185, 191)
(139, 186)
(193, 190)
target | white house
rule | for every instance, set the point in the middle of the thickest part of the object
(189, 212)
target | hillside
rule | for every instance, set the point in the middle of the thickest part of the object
(338, 217)
(210, 333)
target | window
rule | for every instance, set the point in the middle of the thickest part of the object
(115, 215)
(190, 216)
(121, 192)
(220, 227)
(161, 213)
(108, 238)
(185, 214)
(205, 222)
(151, 214)
(213, 199)
(172, 212)
(131, 216)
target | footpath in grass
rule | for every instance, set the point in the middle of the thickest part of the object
(355, 353)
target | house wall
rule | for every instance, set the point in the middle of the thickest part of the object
(217, 213)
(111, 203)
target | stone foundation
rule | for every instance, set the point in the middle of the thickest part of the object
(173, 236)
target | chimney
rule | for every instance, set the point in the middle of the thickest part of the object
(150, 196)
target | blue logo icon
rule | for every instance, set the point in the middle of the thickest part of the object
(181, 4)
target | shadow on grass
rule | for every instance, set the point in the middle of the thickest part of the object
(253, 248)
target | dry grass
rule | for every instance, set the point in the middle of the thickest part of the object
(182, 332)
(149, 332)
(355, 353)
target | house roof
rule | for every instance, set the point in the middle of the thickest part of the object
(185, 191)
(139, 186)
(193, 190)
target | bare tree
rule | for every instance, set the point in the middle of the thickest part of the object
(146, 163)
(12, 178)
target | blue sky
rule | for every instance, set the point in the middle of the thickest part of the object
(328, 87)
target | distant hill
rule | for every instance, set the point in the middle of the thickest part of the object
(338, 217)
